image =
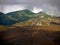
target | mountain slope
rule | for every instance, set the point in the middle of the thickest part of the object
(45, 15)
(38, 19)
(20, 16)
(5, 20)
(14, 17)
(34, 22)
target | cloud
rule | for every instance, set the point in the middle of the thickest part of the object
(36, 10)
(55, 3)
(11, 8)
(10, 2)
(51, 6)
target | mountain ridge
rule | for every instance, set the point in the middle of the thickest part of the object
(19, 16)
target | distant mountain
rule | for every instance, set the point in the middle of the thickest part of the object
(42, 13)
(20, 16)
(1, 13)
(38, 21)
(15, 17)
(57, 17)
(1, 16)
(5, 20)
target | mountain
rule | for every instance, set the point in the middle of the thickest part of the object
(56, 17)
(38, 21)
(20, 16)
(5, 20)
(45, 15)
(15, 17)
(1, 17)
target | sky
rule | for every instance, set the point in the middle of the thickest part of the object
(49, 6)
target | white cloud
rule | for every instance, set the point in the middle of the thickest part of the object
(36, 10)
(11, 8)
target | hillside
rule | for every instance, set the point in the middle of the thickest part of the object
(38, 21)
(19, 16)
(14, 17)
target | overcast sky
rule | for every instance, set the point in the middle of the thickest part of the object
(50, 6)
